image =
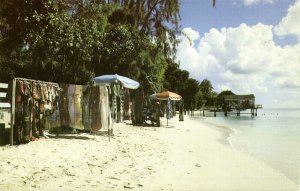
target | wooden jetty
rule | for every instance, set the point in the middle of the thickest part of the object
(235, 104)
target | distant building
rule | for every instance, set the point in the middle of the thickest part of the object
(240, 102)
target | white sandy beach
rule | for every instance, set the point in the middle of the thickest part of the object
(183, 156)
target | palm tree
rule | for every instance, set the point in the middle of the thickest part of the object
(206, 87)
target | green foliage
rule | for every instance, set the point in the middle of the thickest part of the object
(208, 95)
(221, 100)
(178, 80)
(54, 44)
(190, 92)
(199, 99)
(73, 41)
(206, 88)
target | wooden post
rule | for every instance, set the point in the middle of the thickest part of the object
(13, 108)
(109, 117)
(158, 113)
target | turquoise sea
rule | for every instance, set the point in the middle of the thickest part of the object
(273, 137)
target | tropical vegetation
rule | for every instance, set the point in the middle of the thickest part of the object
(72, 41)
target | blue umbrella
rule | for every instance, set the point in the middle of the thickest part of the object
(108, 79)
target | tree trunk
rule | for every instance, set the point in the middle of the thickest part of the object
(138, 105)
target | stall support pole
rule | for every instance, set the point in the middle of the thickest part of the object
(13, 108)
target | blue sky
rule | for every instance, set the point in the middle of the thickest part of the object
(247, 46)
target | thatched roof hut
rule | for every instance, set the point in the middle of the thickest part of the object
(245, 101)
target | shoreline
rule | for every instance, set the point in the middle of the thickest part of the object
(255, 175)
(228, 132)
(185, 155)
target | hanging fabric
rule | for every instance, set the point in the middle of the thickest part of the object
(64, 102)
(78, 107)
(41, 106)
(104, 110)
(54, 116)
(95, 111)
(74, 106)
(86, 118)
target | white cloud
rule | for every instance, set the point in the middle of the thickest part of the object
(252, 2)
(191, 34)
(186, 50)
(289, 25)
(246, 60)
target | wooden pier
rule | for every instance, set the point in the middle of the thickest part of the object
(235, 104)
(235, 111)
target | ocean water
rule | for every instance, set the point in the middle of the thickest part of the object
(273, 137)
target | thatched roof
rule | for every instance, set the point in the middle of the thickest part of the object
(239, 97)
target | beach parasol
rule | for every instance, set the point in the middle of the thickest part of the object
(166, 95)
(169, 96)
(108, 79)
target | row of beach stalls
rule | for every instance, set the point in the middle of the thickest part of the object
(37, 106)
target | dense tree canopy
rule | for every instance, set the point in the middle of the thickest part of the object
(71, 41)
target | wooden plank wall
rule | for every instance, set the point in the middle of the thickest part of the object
(4, 104)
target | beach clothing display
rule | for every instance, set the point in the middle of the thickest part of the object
(86, 115)
(104, 108)
(75, 106)
(117, 83)
(41, 106)
(64, 102)
(95, 111)
(32, 100)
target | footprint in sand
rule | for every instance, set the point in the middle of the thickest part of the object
(128, 185)
(114, 178)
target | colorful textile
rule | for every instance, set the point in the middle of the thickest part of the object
(41, 105)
